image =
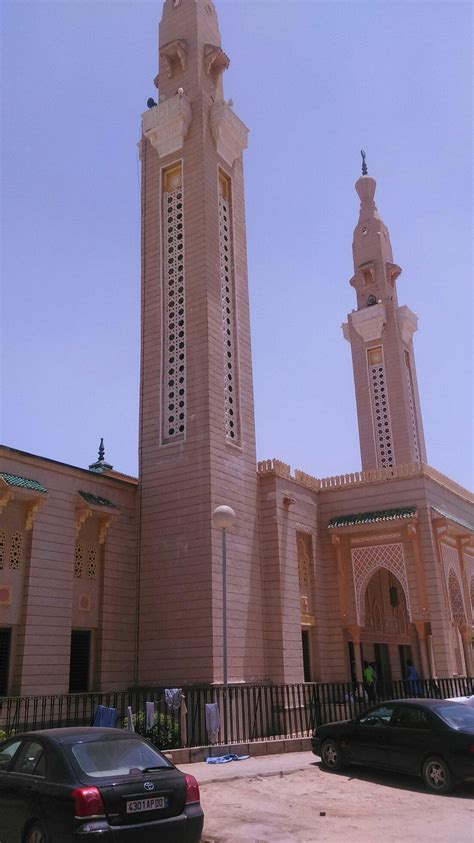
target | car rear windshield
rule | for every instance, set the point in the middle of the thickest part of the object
(120, 757)
(458, 716)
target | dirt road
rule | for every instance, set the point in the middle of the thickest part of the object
(308, 805)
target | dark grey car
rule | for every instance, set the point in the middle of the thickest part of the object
(429, 738)
(84, 784)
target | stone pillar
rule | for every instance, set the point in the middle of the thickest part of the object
(425, 662)
(466, 636)
(354, 632)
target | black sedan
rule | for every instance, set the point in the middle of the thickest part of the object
(430, 738)
(82, 784)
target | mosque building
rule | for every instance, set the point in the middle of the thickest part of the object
(108, 581)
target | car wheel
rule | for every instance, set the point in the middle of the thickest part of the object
(331, 755)
(437, 776)
(36, 834)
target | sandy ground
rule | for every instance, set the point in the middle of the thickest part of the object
(301, 803)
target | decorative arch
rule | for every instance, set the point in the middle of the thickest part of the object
(366, 561)
(452, 573)
(402, 620)
(455, 599)
(378, 618)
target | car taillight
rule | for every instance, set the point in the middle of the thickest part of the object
(192, 790)
(88, 802)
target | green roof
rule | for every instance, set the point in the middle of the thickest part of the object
(372, 517)
(22, 482)
(452, 518)
(95, 500)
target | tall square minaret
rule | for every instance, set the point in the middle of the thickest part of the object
(381, 338)
(197, 436)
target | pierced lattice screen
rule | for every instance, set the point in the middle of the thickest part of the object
(16, 551)
(411, 402)
(231, 402)
(380, 410)
(3, 542)
(174, 353)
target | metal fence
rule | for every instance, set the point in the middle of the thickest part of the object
(246, 712)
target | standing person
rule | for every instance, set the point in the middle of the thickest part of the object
(413, 679)
(369, 681)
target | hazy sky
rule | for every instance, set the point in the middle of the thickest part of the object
(315, 82)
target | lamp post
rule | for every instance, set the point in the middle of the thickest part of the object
(223, 517)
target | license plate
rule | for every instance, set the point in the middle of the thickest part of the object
(151, 803)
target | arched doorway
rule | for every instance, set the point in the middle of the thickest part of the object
(388, 639)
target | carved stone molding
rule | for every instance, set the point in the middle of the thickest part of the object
(407, 322)
(229, 133)
(82, 514)
(365, 275)
(393, 271)
(369, 322)
(175, 57)
(5, 498)
(105, 523)
(346, 331)
(215, 60)
(31, 512)
(166, 125)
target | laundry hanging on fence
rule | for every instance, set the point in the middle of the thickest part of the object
(224, 759)
(173, 698)
(150, 716)
(130, 724)
(213, 721)
(105, 716)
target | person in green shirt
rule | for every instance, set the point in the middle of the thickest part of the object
(368, 674)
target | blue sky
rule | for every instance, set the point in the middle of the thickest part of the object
(315, 82)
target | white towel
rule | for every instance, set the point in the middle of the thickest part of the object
(150, 716)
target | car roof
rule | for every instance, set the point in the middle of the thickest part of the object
(423, 701)
(73, 734)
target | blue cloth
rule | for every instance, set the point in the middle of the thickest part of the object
(105, 716)
(224, 759)
(212, 721)
(413, 680)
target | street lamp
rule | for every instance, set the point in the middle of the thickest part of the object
(223, 517)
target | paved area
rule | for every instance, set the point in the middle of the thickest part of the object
(290, 799)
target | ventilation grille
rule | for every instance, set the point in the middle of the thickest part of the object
(411, 403)
(231, 402)
(381, 415)
(174, 357)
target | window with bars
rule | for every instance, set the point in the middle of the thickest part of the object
(174, 352)
(79, 665)
(5, 648)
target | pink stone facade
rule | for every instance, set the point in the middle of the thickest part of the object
(324, 573)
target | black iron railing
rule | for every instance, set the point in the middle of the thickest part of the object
(246, 712)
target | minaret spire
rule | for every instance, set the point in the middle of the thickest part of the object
(380, 333)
